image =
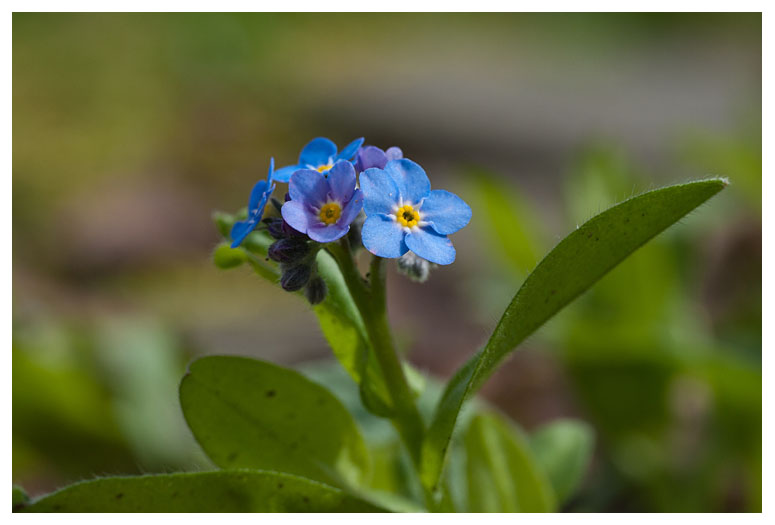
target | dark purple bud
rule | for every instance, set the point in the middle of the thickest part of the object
(294, 278)
(288, 251)
(274, 226)
(316, 290)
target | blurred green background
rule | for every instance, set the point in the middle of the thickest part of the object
(129, 129)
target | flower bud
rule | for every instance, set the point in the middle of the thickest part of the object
(288, 251)
(316, 290)
(295, 277)
(274, 227)
(414, 267)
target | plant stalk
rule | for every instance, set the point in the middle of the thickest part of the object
(370, 300)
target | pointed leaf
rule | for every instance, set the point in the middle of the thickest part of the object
(251, 414)
(574, 265)
(221, 491)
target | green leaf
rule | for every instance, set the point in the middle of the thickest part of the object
(574, 265)
(342, 326)
(503, 475)
(221, 491)
(252, 414)
(564, 449)
(20, 497)
(226, 257)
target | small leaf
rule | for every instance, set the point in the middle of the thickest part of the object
(564, 449)
(574, 265)
(224, 222)
(503, 475)
(251, 414)
(221, 491)
(226, 257)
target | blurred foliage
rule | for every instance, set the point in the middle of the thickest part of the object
(129, 128)
(676, 402)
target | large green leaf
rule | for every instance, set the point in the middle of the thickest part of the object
(252, 414)
(221, 491)
(564, 449)
(503, 475)
(576, 263)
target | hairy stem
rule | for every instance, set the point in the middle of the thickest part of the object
(370, 300)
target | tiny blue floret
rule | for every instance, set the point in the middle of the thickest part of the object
(323, 207)
(319, 154)
(258, 199)
(403, 213)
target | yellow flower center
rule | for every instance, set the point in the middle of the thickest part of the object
(407, 216)
(330, 213)
(324, 167)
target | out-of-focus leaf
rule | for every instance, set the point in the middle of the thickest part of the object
(20, 497)
(342, 326)
(564, 449)
(142, 364)
(574, 265)
(503, 475)
(252, 414)
(505, 217)
(226, 257)
(222, 491)
(224, 222)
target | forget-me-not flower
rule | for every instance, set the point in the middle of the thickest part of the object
(319, 154)
(373, 157)
(402, 213)
(258, 199)
(323, 207)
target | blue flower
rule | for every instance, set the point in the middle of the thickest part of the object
(258, 198)
(402, 213)
(321, 207)
(319, 154)
(373, 157)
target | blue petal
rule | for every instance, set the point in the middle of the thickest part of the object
(297, 215)
(348, 151)
(431, 246)
(284, 174)
(380, 193)
(270, 175)
(341, 180)
(317, 152)
(256, 194)
(384, 237)
(352, 208)
(446, 212)
(309, 187)
(411, 180)
(327, 233)
(241, 229)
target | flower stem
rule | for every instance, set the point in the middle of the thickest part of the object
(370, 301)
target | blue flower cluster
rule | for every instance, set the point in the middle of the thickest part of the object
(329, 189)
